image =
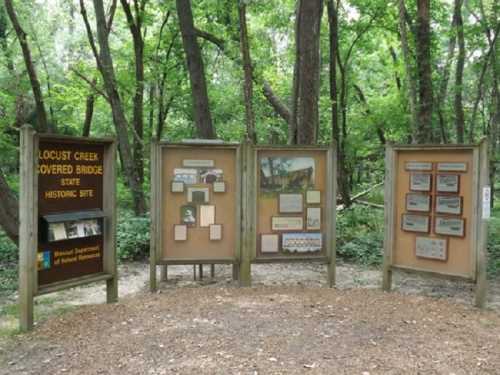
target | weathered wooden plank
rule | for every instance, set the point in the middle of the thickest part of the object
(331, 213)
(154, 207)
(388, 217)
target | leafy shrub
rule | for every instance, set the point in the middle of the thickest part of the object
(494, 244)
(8, 264)
(132, 236)
(360, 233)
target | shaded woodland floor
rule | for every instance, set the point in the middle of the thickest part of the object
(287, 323)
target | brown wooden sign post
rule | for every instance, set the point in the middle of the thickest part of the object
(289, 206)
(435, 219)
(67, 234)
(195, 204)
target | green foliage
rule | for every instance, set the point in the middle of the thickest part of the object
(8, 264)
(360, 234)
(494, 244)
(132, 236)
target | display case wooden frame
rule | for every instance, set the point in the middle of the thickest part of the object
(251, 188)
(158, 203)
(29, 286)
(473, 261)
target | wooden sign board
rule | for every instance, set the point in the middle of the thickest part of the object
(433, 221)
(67, 206)
(200, 221)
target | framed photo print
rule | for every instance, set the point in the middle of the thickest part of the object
(420, 182)
(207, 215)
(197, 195)
(415, 223)
(187, 175)
(448, 183)
(177, 187)
(431, 248)
(269, 243)
(449, 226)
(313, 221)
(188, 215)
(449, 204)
(215, 232)
(313, 197)
(180, 232)
(418, 202)
(290, 203)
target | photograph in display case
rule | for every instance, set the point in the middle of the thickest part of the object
(180, 232)
(302, 242)
(420, 182)
(448, 183)
(198, 195)
(313, 221)
(449, 226)
(187, 175)
(286, 174)
(57, 232)
(209, 175)
(269, 243)
(291, 203)
(449, 204)
(418, 202)
(415, 223)
(188, 215)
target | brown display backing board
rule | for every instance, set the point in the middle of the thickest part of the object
(461, 261)
(268, 203)
(198, 245)
(70, 178)
(466, 257)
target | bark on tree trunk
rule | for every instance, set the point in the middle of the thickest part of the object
(411, 83)
(343, 179)
(135, 27)
(89, 112)
(424, 71)
(201, 107)
(9, 215)
(247, 71)
(459, 72)
(42, 122)
(121, 123)
(308, 65)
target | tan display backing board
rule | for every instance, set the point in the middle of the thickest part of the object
(198, 245)
(461, 257)
(268, 203)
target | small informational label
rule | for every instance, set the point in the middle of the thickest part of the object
(418, 166)
(452, 167)
(486, 202)
(431, 248)
(194, 163)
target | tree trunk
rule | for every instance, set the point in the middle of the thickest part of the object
(336, 135)
(411, 83)
(424, 72)
(89, 112)
(201, 107)
(308, 70)
(121, 124)
(135, 27)
(459, 73)
(247, 70)
(30, 67)
(9, 215)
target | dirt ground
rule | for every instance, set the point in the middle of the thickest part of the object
(287, 323)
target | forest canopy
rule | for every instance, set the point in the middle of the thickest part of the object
(361, 73)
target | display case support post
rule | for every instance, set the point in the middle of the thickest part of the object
(27, 227)
(482, 256)
(155, 225)
(388, 218)
(248, 199)
(331, 203)
(109, 191)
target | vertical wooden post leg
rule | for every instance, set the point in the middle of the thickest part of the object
(201, 272)
(331, 274)
(387, 278)
(245, 273)
(212, 271)
(236, 272)
(164, 273)
(112, 290)
(152, 277)
(194, 272)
